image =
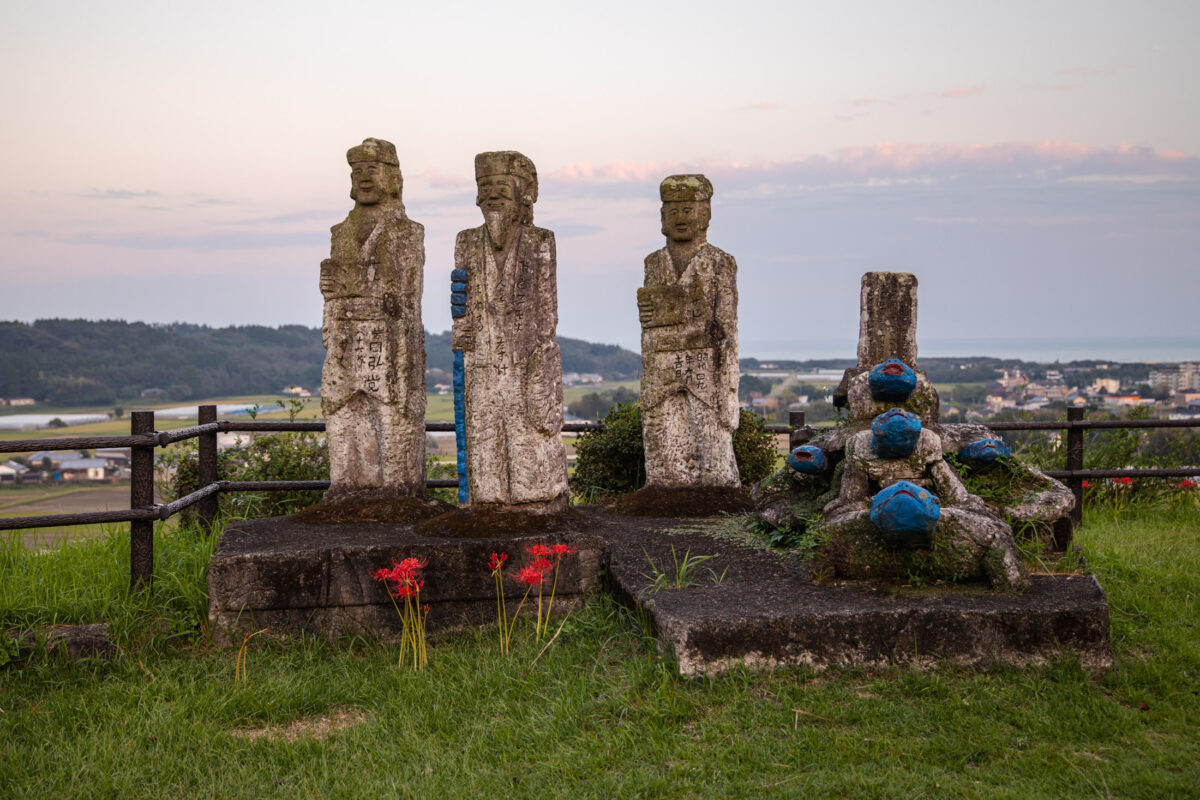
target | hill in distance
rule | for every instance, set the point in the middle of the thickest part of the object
(82, 362)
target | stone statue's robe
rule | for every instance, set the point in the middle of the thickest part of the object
(373, 381)
(512, 371)
(690, 370)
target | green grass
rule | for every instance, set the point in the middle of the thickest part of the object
(599, 715)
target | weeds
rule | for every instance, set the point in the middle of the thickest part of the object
(682, 571)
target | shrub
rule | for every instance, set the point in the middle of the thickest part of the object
(612, 461)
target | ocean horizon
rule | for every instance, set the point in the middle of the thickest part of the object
(1148, 349)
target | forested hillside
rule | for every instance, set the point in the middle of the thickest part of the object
(80, 362)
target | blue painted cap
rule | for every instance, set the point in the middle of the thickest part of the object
(894, 433)
(458, 299)
(808, 459)
(458, 286)
(458, 275)
(984, 452)
(905, 507)
(892, 381)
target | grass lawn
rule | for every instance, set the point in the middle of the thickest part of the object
(599, 715)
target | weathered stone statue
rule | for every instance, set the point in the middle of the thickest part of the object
(373, 382)
(512, 367)
(963, 536)
(886, 490)
(688, 311)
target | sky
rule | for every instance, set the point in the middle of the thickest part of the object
(1035, 164)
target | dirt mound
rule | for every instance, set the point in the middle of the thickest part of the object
(373, 509)
(684, 501)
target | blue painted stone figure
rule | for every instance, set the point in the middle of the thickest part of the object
(808, 460)
(984, 452)
(893, 381)
(894, 434)
(905, 508)
(967, 536)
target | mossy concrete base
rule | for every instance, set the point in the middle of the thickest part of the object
(757, 608)
(293, 577)
(745, 605)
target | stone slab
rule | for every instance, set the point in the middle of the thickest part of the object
(294, 577)
(747, 605)
(780, 617)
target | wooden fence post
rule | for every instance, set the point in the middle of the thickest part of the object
(795, 422)
(207, 512)
(1075, 462)
(141, 495)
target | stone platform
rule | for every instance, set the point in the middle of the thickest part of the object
(294, 577)
(747, 605)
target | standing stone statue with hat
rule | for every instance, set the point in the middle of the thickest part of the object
(373, 382)
(688, 311)
(504, 324)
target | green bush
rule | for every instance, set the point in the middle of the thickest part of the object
(612, 461)
(274, 457)
(754, 449)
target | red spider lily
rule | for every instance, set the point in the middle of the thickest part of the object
(496, 562)
(1186, 484)
(538, 551)
(1126, 480)
(1087, 485)
(409, 568)
(530, 576)
(561, 550)
(410, 589)
(542, 565)
(404, 581)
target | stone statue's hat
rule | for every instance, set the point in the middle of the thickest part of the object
(508, 162)
(685, 188)
(374, 150)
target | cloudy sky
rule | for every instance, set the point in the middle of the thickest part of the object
(1036, 164)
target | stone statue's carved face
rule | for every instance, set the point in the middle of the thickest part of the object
(499, 198)
(683, 221)
(372, 182)
(498, 192)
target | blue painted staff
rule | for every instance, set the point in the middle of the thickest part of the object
(458, 308)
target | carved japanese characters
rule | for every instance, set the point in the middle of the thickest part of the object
(505, 326)
(688, 311)
(373, 382)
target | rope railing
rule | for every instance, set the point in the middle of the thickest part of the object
(143, 440)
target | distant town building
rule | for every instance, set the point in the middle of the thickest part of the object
(1186, 377)
(13, 472)
(1104, 386)
(1126, 401)
(84, 469)
(297, 391)
(21, 401)
(1009, 382)
(57, 457)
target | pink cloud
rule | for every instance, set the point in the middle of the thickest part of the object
(616, 171)
(963, 91)
(866, 101)
(884, 161)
